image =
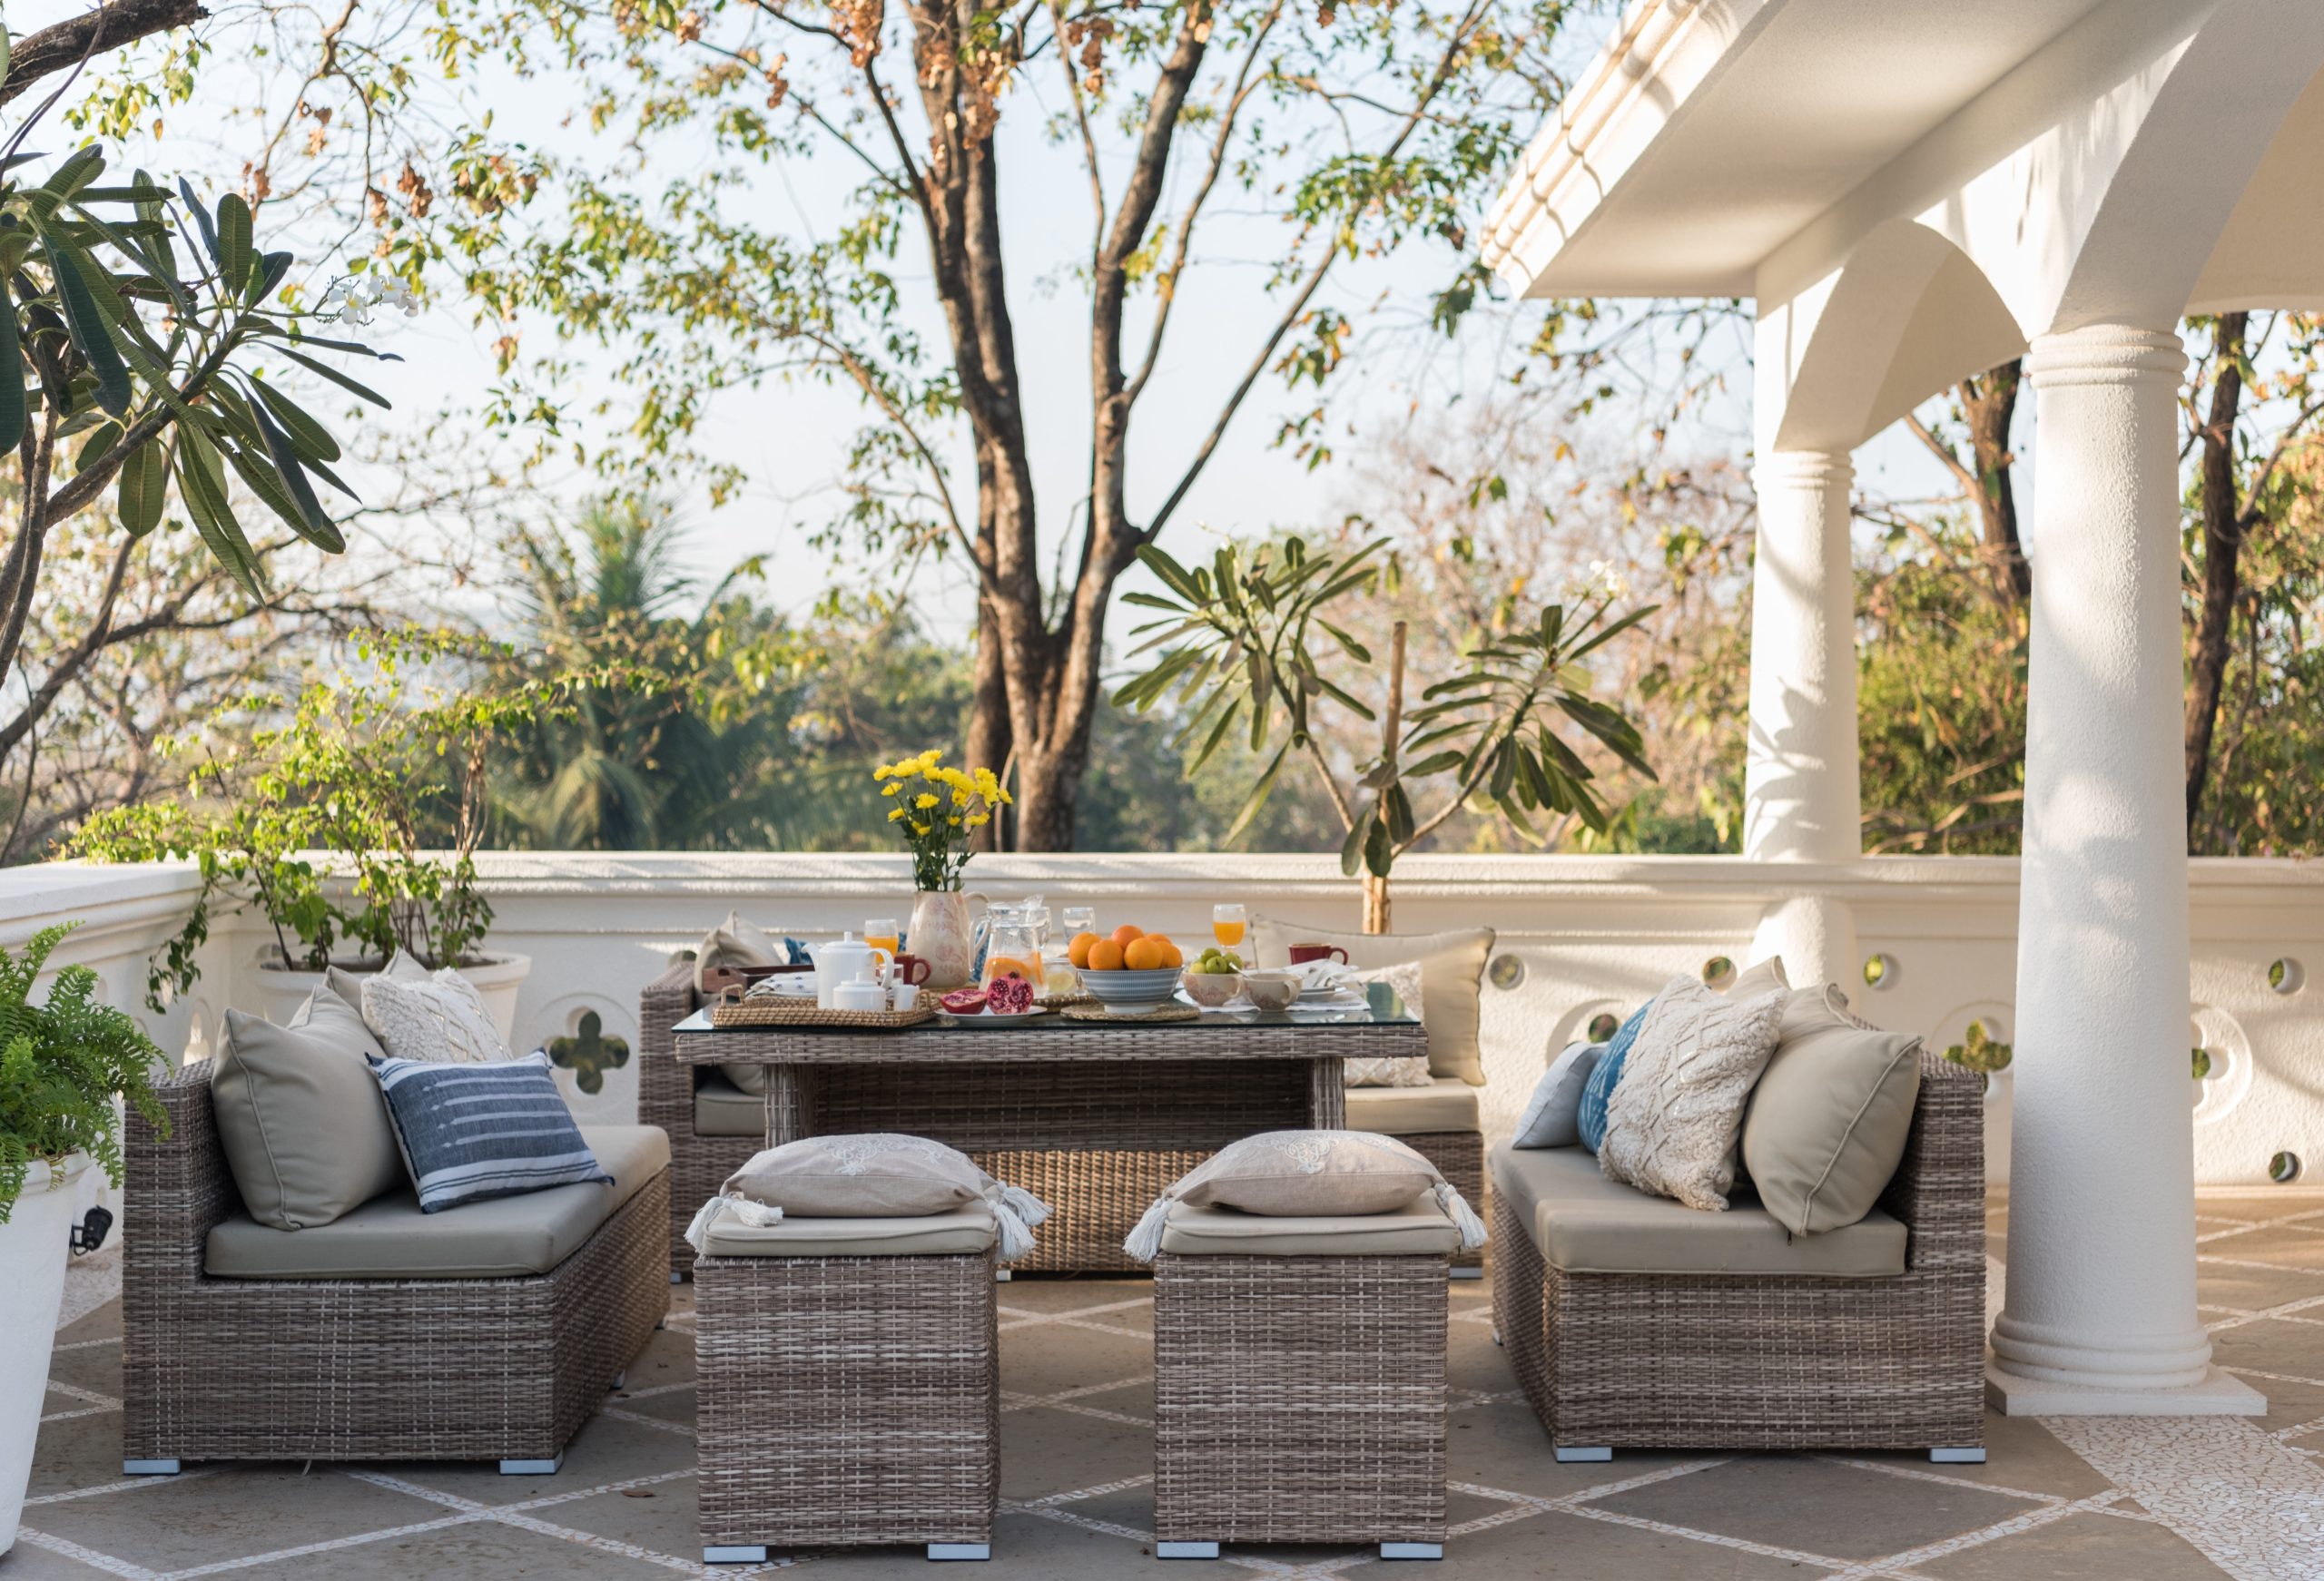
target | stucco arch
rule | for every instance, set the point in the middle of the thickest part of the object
(1907, 315)
(2178, 186)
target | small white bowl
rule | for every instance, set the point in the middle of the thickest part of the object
(1211, 990)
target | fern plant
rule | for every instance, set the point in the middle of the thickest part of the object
(63, 1064)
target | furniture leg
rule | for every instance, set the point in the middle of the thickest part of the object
(790, 1103)
(1327, 1095)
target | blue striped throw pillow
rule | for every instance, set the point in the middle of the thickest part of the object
(1591, 1121)
(469, 1132)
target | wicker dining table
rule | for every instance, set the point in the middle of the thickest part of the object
(1093, 1117)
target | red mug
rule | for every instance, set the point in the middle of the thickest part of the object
(911, 970)
(1301, 954)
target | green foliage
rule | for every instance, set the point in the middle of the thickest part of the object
(63, 1064)
(1246, 640)
(352, 813)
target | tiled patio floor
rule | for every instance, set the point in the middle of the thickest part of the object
(2065, 1500)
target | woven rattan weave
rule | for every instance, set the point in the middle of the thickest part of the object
(1299, 1400)
(1647, 1362)
(1093, 1117)
(847, 1400)
(1460, 1158)
(779, 1010)
(358, 1370)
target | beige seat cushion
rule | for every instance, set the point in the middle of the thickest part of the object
(1451, 970)
(969, 1230)
(498, 1238)
(1446, 1104)
(1418, 1229)
(721, 1109)
(1585, 1223)
(300, 1116)
(1828, 1121)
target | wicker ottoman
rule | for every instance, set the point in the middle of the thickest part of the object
(849, 1387)
(1299, 1381)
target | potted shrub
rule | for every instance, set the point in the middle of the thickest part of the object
(66, 1065)
(348, 821)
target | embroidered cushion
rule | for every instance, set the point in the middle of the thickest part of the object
(437, 1017)
(1395, 1070)
(472, 1130)
(1672, 1120)
(1553, 1117)
(1589, 1119)
(1827, 1123)
(1307, 1174)
(1452, 967)
(299, 1118)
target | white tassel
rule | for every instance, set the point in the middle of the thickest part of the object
(1145, 1243)
(1465, 1217)
(758, 1215)
(1016, 1240)
(1029, 1207)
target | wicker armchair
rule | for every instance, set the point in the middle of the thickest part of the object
(1671, 1362)
(699, 1164)
(217, 1369)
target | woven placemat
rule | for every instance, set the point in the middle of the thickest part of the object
(1064, 1001)
(770, 1011)
(1095, 1012)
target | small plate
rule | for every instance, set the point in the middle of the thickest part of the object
(986, 1019)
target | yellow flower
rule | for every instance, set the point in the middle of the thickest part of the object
(895, 815)
(882, 771)
(1006, 799)
(959, 797)
(956, 822)
(919, 829)
(979, 820)
(923, 801)
(892, 787)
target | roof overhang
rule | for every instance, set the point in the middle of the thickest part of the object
(1709, 132)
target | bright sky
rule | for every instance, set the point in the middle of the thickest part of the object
(791, 440)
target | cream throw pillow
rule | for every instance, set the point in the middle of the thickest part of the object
(736, 943)
(1452, 970)
(1672, 1120)
(437, 1017)
(869, 1176)
(1307, 1174)
(299, 1118)
(1828, 1121)
(1398, 1070)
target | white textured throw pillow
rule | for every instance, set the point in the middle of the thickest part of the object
(1400, 1070)
(437, 1017)
(1672, 1121)
(1553, 1117)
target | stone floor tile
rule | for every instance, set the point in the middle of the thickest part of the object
(2281, 1245)
(1502, 1447)
(661, 1516)
(2221, 1280)
(1050, 1357)
(1816, 1507)
(2021, 1455)
(251, 1510)
(481, 1550)
(2291, 1401)
(605, 1449)
(1045, 1452)
(2079, 1547)
(2271, 1345)
(1553, 1546)
(28, 1561)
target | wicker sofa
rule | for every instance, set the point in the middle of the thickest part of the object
(487, 1332)
(1635, 1322)
(714, 1128)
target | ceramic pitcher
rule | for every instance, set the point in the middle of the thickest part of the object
(944, 934)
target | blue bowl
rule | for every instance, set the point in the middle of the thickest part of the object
(1128, 993)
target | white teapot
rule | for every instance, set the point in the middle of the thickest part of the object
(844, 959)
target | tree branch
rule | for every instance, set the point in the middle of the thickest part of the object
(66, 45)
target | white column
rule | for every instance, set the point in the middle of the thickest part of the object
(1801, 798)
(2101, 1317)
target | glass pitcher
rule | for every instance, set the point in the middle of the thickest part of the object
(1012, 942)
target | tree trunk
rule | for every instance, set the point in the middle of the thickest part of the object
(1375, 903)
(1989, 400)
(2223, 525)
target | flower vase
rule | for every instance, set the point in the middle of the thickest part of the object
(944, 934)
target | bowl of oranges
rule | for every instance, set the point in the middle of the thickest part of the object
(1130, 971)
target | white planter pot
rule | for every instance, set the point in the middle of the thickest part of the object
(34, 1244)
(281, 990)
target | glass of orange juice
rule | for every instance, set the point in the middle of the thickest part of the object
(882, 935)
(1226, 924)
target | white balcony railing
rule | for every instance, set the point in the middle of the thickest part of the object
(1577, 935)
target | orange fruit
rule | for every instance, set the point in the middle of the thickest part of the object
(1077, 952)
(1163, 939)
(1105, 955)
(1144, 956)
(1127, 934)
(1172, 956)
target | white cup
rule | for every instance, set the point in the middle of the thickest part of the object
(904, 995)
